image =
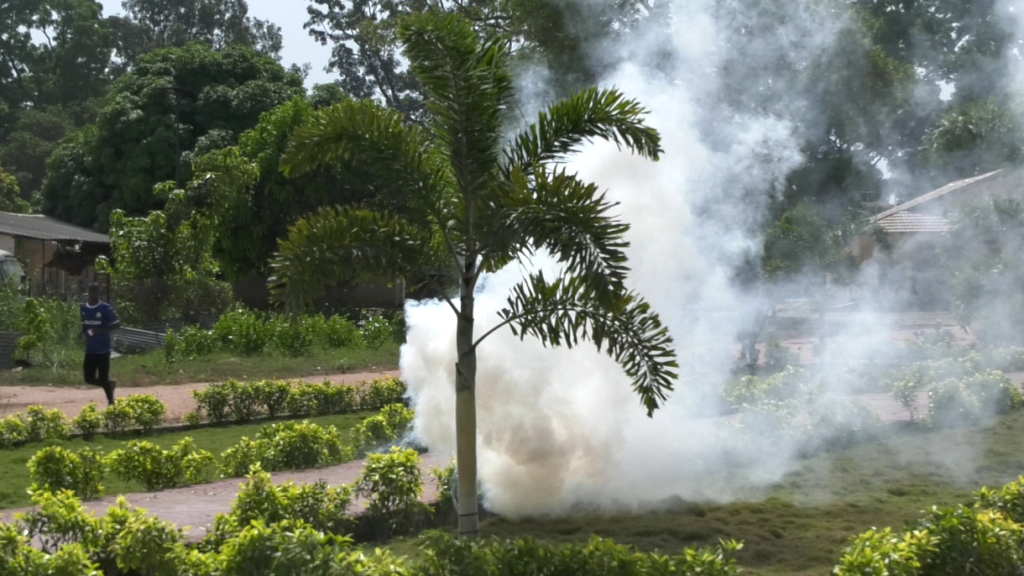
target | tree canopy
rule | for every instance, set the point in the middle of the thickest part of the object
(176, 104)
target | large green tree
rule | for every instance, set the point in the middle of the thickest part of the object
(151, 24)
(365, 49)
(176, 104)
(10, 195)
(252, 218)
(486, 202)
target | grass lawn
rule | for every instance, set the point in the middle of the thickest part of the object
(804, 522)
(152, 369)
(14, 476)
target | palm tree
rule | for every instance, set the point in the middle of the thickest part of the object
(466, 198)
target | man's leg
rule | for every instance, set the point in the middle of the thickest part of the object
(89, 368)
(103, 362)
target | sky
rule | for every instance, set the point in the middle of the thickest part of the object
(290, 15)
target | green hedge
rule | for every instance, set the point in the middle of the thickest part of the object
(235, 401)
(250, 541)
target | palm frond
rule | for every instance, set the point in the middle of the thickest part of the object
(360, 137)
(335, 245)
(562, 313)
(468, 86)
(570, 219)
(564, 127)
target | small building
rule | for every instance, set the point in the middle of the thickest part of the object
(58, 257)
(912, 272)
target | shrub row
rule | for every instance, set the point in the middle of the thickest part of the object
(301, 445)
(37, 424)
(128, 541)
(960, 392)
(234, 401)
(249, 333)
(986, 537)
(281, 446)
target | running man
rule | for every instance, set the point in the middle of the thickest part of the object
(98, 321)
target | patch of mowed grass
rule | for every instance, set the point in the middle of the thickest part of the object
(799, 526)
(14, 475)
(152, 369)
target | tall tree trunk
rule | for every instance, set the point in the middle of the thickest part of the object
(465, 413)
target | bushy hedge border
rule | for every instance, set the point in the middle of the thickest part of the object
(38, 424)
(293, 530)
(985, 537)
(235, 401)
(280, 446)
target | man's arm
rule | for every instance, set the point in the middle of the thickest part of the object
(112, 321)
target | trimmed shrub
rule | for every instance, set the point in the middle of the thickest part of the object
(141, 411)
(392, 485)
(13, 431)
(381, 392)
(273, 396)
(322, 507)
(55, 468)
(46, 425)
(158, 469)
(89, 421)
(213, 403)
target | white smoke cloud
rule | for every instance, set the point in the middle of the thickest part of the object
(559, 428)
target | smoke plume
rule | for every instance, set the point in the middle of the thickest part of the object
(560, 428)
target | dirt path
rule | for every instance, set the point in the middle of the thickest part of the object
(194, 508)
(178, 397)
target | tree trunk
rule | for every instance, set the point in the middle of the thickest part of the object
(465, 414)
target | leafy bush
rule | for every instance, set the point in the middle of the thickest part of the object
(213, 403)
(288, 548)
(788, 384)
(286, 446)
(377, 331)
(48, 327)
(89, 421)
(237, 461)
(13, 431)
(57, 520)
(147, 545)
(339, 332)
(146, 411)
(300, 445)
(971, 541)
(191, 343)
(971, 400)
(392, 485)
(244, 401)
(322, 507)
(55, 468)
(46, 425)
(294, 336)
(117, 418)
(308, 399)
(447, 554)
(908, 383)
(243, 331)
(273, 396)
(381, 392)
(389, 425)
(1006, 359)
(158, 469)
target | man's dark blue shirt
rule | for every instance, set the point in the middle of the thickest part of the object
(101, 315)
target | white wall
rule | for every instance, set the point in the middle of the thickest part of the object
(7, 243)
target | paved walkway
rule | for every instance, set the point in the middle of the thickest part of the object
(194, 508)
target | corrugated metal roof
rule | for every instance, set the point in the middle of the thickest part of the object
(902, 222)
(951, 187)
(42, 227)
